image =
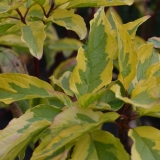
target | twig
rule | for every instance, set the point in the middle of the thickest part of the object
(16, 111)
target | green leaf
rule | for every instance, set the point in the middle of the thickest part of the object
(96, 3)
(146, 146)
(110, 18)
(34, 35)
(155, 41)
(15, 87)
(66, 45)
(153, 70)
(69, 126)
(70, 21)
(63, 82)
(132, 27)
(99, 145)
(146, 93)
(147, 57)
(12, 40)
(127, 56)
(67, 65)
(42, 2)
(95, 58)
(20, 132)
(89, 98)
(153, 111)
(6, 6)
(5, 27)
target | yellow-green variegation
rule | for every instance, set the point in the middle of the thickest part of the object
(146, 143)
(15, 87)
(95, 58)
(20, 132)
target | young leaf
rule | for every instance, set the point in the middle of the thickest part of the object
(69, 126)
(97, 3)
(147, 57)
(95, 59)
(15, 87)
(99, 145)
(127, 56)
(34, 35)
(131, 27)
(146, 146)
(63, 82)
(70, 21)
(20, 132)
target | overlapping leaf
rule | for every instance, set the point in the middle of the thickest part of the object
(70, 21)
(131, 27)
(153, 111)
(6, 6)
(155, 41)
(20, 132)
(94, 3)
(69, 126)
(99, 145)
(147, 57)
(15, 87)
(95, 58)
(63, 82)
(34, 35)
(146, 93)
(127, 56)
(146, 146)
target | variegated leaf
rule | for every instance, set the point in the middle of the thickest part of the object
(145, 146)
(95, 58)
(70, 21)
(10, 62)
(12, 40)
(69, 126)
(147, 57)
(110, 18)
(153, 70)
(99, 145)
(6, 6)
(42, 2)
(5, 27)
(67, 45)
(138, 41)
(131, 27)
(63, 82)
(20, 132)
(34, 35)
(155, 41)
(15, 87)
(127, 56)
(153, 111)
(145, 95)
(97, 3)
(89, 98)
